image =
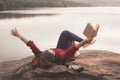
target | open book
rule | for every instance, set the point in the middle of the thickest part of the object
(90, 31)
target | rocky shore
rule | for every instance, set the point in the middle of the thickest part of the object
(98, 64)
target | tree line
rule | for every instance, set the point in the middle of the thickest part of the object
(22, 4)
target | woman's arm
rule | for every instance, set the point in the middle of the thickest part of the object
(29, 43)
(15, 33)
(86, 41)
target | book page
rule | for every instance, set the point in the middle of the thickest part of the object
(89, 31)
(96, 30)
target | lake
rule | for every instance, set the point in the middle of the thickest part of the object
(43, 26)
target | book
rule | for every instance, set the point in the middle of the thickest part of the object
(90, 31)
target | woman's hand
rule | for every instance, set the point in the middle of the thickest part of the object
(85, 41)
(88, 40)
(15, 32)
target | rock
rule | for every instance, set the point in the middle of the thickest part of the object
(98, 64)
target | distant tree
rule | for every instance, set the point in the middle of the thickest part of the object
(2, 5)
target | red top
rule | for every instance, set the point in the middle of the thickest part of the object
(61, 55)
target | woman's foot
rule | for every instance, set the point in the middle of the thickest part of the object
(77, 54)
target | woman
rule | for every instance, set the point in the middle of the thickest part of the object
(60, 55)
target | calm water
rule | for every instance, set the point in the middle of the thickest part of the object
(43, 26)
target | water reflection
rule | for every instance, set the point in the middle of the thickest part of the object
(44, 26)
(21, 15)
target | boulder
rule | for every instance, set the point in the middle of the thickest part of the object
(98, 65)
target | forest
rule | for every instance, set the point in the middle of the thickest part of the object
(23, 4)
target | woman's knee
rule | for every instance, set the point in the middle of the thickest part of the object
(65, 32)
